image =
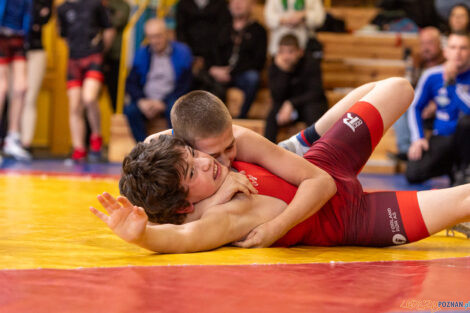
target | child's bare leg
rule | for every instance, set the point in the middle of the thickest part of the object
(445, 207)
(90, 93)
(391, 97)
(12, 144)
(4, 72)
(18, 96)
(77, 124)
(336, 111)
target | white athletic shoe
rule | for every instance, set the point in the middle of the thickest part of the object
(293, 145)
(13, 148)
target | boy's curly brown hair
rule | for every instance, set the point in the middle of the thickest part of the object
(151, 178)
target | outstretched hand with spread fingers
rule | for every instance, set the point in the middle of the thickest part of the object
(125, 220)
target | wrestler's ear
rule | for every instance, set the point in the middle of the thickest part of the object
(188, 209)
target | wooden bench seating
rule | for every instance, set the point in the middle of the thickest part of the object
(356, 72)
(373, 46)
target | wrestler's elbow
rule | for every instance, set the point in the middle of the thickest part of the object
(328, 184)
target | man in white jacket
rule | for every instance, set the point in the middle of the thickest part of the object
(299, 17)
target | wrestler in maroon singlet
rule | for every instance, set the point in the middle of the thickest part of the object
(351, 216)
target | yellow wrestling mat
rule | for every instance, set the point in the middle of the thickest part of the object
(45, 223)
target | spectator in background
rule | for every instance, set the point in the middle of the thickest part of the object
(299, 17)
(203, 25)
(429, 55)
(85, 26)
(295, 83)
(119, 14)
(459, 19)
(36, 68)
(240, 58)
(161, 73)
(448, 86)
(443, 7)
(14, 26)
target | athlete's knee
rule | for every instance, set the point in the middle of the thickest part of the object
(402, 87)
(76, 109)
(89, 99)
(19, 89)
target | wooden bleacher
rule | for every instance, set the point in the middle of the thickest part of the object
(350, 60)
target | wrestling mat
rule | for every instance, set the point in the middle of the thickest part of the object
(58, 257)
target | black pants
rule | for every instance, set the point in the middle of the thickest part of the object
(444, 154)
(307, 114)
(436, 161)
(111, 77)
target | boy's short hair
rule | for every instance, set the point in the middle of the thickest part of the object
(199, 114)
(289, 40)
(151, 178)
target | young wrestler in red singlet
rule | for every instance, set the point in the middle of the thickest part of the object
(167, 177)
(352, 216)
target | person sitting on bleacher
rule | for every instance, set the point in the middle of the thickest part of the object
(240, 58)
(299, 17)
(161, 73)
(429, 55)
(296, 88)
(448, 85)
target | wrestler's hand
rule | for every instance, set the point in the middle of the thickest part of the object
(260, 237)
(233, 184)
(416, 149)
(125, 220)
(285, 113)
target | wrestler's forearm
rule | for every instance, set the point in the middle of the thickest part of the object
(162, 239)
(311, 196)
(209, 232)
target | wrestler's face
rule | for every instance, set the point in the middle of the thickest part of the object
(221, 147)
(458, 50)
(202, 175)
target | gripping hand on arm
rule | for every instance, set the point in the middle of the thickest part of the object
(233, 184)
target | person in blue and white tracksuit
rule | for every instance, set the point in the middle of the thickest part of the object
(447, 151)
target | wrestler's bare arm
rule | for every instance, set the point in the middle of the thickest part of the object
(220, 225)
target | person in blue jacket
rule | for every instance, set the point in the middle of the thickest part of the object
(161, 73)
(15, 16)
(448, 85)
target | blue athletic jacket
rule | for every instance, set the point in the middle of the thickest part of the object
(18, 17)
(451, 100)
(181, 58)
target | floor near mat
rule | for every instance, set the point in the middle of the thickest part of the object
(58, 257)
